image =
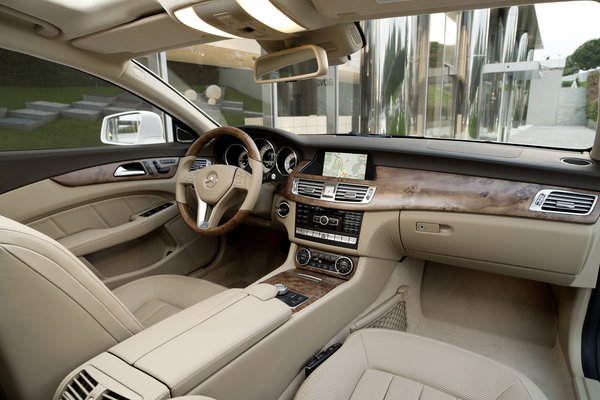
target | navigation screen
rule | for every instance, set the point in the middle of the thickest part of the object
(345, 165)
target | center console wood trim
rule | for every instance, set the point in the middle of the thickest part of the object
(312, 289)
(408, 189)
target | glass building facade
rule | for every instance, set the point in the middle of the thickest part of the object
(439, 75)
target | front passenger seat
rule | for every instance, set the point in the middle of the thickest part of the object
(56, 314)
(377, 364)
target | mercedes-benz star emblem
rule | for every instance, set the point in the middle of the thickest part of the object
(211, 180)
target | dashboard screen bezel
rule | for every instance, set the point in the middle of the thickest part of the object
(315, 167)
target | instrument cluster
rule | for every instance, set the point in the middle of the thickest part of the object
(278, 161)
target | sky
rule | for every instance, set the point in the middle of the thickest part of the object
(566, 26)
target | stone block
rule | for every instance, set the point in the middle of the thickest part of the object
(114, 110)
(20, 124)
(3, 112)
(47, 106)
(90, 105)
(82, 114)
(37, 115)
(99, 98)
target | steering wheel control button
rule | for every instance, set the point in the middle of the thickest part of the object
(283, 210)
(281, 289)
(303, 256)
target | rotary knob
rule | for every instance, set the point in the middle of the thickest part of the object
(283, 209)
(303, 256)
(344, 265)
(324, 220)
(281, 289)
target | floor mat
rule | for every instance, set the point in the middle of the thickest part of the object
(513, 321)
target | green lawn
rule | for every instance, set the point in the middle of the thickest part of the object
(63, 133)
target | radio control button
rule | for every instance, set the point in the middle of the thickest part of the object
(345, 239)
(330, 236)
(352, 240)
(338, 238)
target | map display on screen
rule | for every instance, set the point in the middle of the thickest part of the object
(345, 165)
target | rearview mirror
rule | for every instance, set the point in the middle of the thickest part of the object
(293, 64)
(132, 127)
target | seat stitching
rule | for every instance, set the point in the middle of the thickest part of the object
(513, 384)
(421, 392)
(389, 386)
(365, 351)
(433, 387)
(357, 382)
(155, 311)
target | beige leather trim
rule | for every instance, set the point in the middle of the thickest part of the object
(299, 338)
(114, 374)
(555, 252)
(262, 291)
(377, 363)
(24, 204)
(182, 351)
(92, 240)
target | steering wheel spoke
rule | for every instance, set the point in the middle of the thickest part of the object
(218, 188)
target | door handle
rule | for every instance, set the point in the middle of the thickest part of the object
(131, 169)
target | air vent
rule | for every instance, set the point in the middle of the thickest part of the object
(80, 387)
(558, 201)
(110, 395)
(200, 163)
(350, 192)
(309, 188)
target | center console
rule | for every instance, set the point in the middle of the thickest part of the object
(329, 226)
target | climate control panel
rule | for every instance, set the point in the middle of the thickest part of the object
(326, 262)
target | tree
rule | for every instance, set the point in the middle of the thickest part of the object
(587, 56)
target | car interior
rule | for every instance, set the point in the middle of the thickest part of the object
(189, 256)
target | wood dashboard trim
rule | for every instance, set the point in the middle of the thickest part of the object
(313, 290)
(105, 173)
(407, 189)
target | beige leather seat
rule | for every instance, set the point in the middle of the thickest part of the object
(379, 364)
(55, 313)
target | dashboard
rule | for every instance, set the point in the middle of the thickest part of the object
(390, 197)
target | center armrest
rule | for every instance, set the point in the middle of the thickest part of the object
(185, 349)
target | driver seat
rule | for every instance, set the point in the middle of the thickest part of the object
(56, 314)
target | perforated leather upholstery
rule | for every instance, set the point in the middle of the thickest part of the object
(56, 314)
(379, 364)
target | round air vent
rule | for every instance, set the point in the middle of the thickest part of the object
(582, 162)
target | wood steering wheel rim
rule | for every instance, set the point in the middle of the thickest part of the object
(252, 182)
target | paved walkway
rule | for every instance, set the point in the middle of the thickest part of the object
(574, 137)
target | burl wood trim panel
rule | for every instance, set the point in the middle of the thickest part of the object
(407, 189)
(313, 290)
(105, 173)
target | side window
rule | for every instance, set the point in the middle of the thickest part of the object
(44, 105)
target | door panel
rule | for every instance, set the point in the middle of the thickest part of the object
(101, 223)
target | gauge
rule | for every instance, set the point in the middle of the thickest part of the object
(289, 163)
(243, 159)
(267, 154)
(287, 159)
(236, 155)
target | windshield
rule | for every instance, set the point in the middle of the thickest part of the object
(522, 74)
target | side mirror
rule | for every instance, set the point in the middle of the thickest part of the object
(132, 127)
(293, 64)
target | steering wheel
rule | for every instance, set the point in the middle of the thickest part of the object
(218, 187)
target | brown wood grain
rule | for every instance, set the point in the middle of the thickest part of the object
(407, 189)
(225, 131)
(105, 173)
(311, 289)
